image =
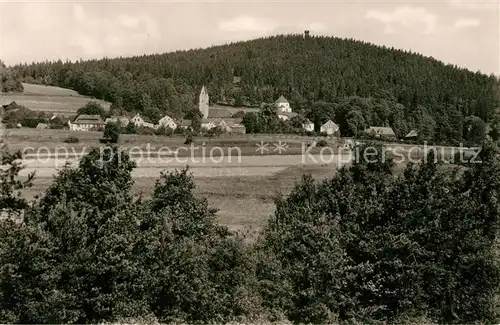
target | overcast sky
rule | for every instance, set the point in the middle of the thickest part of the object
(465, 33)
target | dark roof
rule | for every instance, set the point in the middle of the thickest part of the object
(88, 119)
(11, 105)
(308, 121)
(381, 130)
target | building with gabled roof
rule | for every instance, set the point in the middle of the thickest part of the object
(308, 125)
(330, 128)
(167, 122)
(283, 105)
(85, 122)
(380, 132)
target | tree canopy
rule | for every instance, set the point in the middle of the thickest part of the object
(404, 88)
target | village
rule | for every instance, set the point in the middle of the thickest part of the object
(221, 119)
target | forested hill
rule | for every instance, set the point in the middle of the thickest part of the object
(303, 69)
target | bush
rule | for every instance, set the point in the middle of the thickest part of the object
(322, 143)
(71, 139)
(189, 139)
(112, 132)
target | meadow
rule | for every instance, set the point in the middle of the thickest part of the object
(242, 191)
(44, 142)
(49, 99)
(244, 202)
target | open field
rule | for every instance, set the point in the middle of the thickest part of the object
(242, 190)
(49, 99)
(49, 142)
(243, 201)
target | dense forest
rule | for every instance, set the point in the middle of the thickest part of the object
(366, 84)
(361, 247)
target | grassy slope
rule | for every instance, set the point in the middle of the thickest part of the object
(49, 99)
(243, 201)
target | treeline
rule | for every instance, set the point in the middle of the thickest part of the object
(305, 70)
(9, 80)
(363, 246)
(443, 124)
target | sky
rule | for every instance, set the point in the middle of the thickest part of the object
(465, 33)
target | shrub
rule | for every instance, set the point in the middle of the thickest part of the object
(189, 139)
(112, 132)
(71, 139)
(322, 143)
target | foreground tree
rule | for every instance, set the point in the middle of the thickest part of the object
(112, 132)
(370, 246)
(88, 251)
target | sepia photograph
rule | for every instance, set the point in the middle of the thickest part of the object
(250, 162)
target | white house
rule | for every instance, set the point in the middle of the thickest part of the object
(208, 124)
(283, 105)
(167, 122)
(86, 122)
(329, 128)
(140, 122)
(137, 120)
(308, 125)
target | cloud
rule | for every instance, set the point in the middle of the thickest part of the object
(248, 24)
(466, 23)
(128, 21)
(81, 31)
(474, 5)
(406, 17)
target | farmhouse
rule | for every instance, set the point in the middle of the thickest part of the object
(167, 122)
(138, 121)
(329, 128)
(380, 132)
(308, 125)
(86, 123)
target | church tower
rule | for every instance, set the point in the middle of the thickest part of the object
(203, 104)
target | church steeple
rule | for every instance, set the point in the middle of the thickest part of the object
(203, 102)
